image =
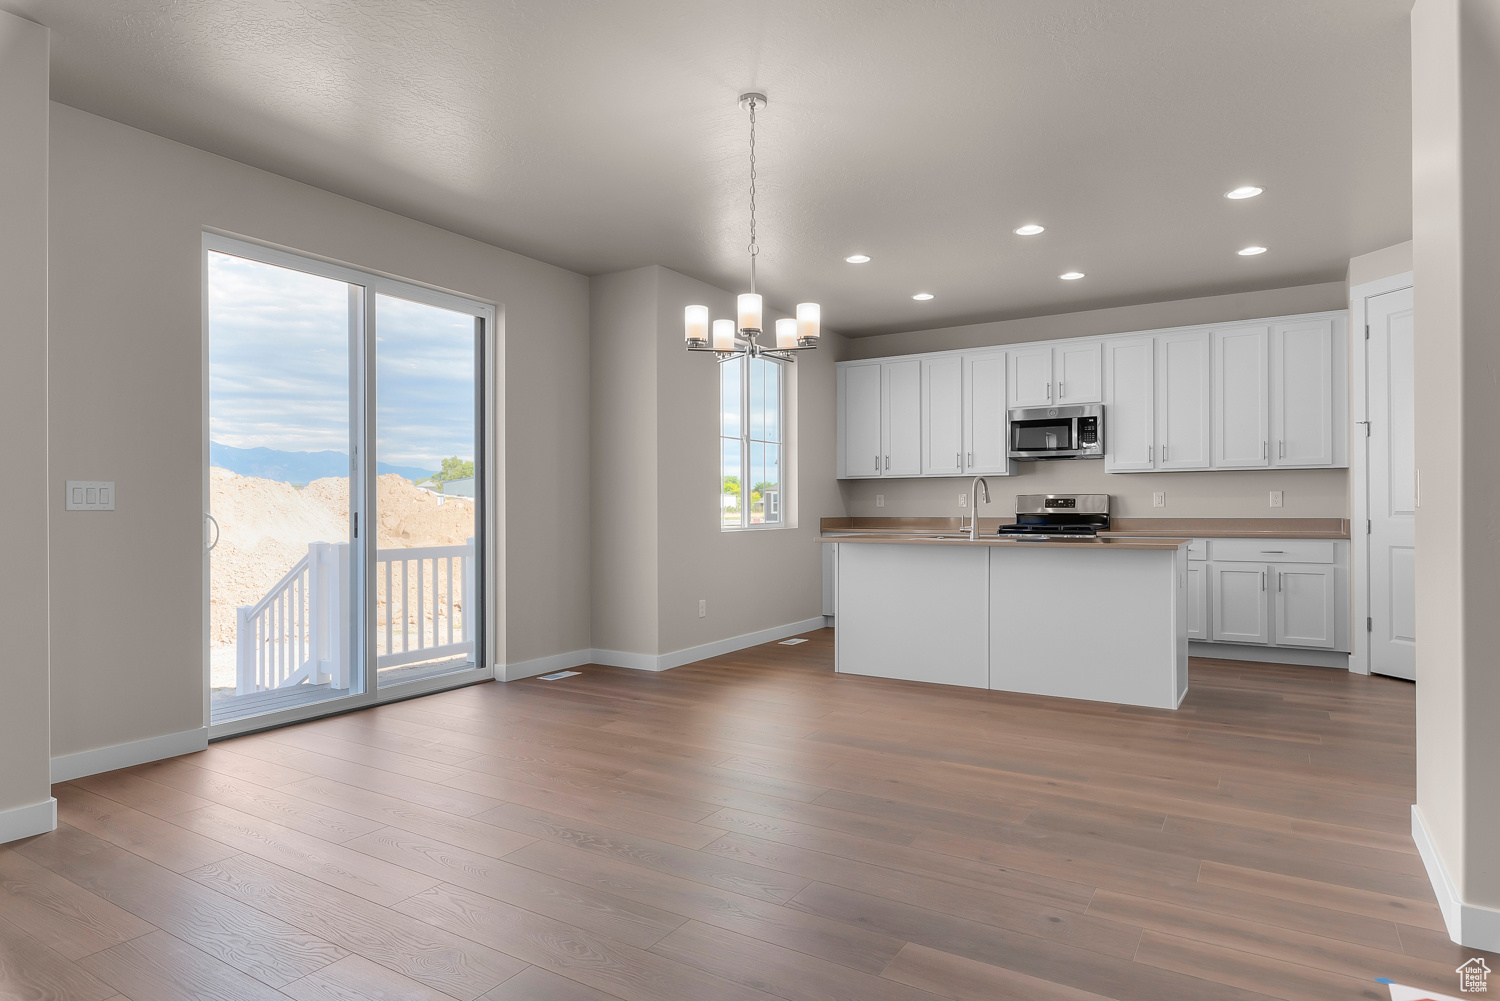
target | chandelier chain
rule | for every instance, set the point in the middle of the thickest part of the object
(754, 247)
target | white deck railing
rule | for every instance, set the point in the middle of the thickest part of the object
(300, 630)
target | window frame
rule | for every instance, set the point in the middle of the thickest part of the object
(782, 369)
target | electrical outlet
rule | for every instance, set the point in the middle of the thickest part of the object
(702, 607)
(1276, 496)
(963, 500)
(1159, 499)
(880, 500)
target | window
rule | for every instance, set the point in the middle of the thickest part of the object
(752, 437)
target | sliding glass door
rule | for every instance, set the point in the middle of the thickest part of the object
(344, 487)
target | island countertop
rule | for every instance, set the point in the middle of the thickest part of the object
(1042, 542)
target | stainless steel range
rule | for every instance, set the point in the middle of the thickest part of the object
(1050, 516)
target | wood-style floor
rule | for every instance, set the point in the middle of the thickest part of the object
(753, 827)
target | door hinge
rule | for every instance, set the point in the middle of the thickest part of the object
(356, 524)
(1367, 331)
(1368, 527)
(1370, 625)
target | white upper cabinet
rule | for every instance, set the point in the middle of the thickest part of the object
(1242, 392)
(943, 406)
(902, 425)
(1248, 395)
(986, 448)
(1031, 377)
(862, 452)
(1077, 371)
(1184, 382)
(1048, 376)
(1129, 405)
(1304, 429)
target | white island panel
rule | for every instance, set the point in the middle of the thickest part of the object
(919, 613)
(1086, 623)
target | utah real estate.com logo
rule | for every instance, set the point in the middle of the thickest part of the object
(1474, 976)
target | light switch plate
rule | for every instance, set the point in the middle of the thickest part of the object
(89, 495)
(1276, 497)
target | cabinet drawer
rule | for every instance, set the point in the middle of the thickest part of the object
(1198, 550)
(1274, 550)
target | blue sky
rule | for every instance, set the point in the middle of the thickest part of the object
(279, 367)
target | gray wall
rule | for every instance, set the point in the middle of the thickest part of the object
(128, 210)
(1309, 493)
(24, 504)
(1456, 255)
(659, 547)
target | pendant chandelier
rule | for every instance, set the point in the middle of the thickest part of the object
(731, 339)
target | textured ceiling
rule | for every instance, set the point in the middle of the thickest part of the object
(605, 135)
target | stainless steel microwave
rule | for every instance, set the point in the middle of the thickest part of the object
(1057, 432)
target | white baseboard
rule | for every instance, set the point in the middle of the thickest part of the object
(67, 767)
(1268, 654)
(1470, 925)
(543, 665)
(653, 662)
(28, 821)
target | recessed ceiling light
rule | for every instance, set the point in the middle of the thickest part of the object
(1030, 229)
(1071, 276)
(922, 296)
(857, 259)
(1248, 191)
(1252, 251)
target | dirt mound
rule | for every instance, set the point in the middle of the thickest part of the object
(265, 527)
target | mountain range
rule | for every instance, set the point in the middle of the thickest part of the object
(295, 467)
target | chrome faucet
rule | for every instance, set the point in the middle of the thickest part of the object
(974, 488)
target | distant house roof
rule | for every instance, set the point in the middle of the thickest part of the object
(459, 488)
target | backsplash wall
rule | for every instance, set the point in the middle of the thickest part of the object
(1240, 493)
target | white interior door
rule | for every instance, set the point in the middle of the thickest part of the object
(1389, 358)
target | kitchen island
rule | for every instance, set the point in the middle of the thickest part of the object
(1099, 619)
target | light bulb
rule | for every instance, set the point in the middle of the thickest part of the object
(723, 335)
(1248, 191)
(750, 311)
(1071, 276)
(786, 332)
(695, 323)
(857, 259)
(1251, 251)
(809, 320)
(922, 296)
(1030, 229)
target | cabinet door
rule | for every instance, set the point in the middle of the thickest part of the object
(1197, 600)
(1077, 368)
(903, 418)
(986, 445)
(863, 454)
(1129, 405)
(942, 407)
(1242, 433)
(1238, 606)
(1184, 373)
(1307, 605)
(1302, 393)
(1031, 377)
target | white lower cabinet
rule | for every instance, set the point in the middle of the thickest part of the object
(1270, 592)
(1241, 613)
(1306, 606)
(1197, 601)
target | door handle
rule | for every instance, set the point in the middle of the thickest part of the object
(216, 532)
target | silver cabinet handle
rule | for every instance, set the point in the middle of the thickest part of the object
(1049, 392)
(1278, 552)
(1150, 452)
(1281, 448)
(958, 459)
(1278, 580)
(1262, 580)
(877, 463)
(1164, 453)
(971, 458)
(1060, 389)
(888, 462)
(1265, 450)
